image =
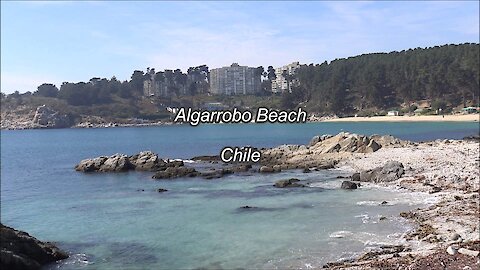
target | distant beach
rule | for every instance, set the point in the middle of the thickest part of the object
(416, 118)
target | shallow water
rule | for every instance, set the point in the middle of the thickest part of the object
(105, 222)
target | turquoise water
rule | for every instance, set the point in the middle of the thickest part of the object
(106, 223)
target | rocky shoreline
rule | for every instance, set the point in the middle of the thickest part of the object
(19, 250)
(447, 231)
(446, 169)
(44, 117)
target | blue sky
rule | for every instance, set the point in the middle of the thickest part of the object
(75, 41)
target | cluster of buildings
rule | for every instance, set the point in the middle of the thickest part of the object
(230, 80)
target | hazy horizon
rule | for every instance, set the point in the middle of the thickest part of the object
(53, 42)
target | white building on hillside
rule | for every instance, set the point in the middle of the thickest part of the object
(282, 84)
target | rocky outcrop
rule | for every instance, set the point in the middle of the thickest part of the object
(212, 159)
(114, 163)
(391, 171)
(49, 118)
(292, 182)
(148, 161)
(326, 150)
(19, 250)
(143, 161)
(348, 185)
(174, 172)
(316, 139)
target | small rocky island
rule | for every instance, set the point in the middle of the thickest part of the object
(20, 251)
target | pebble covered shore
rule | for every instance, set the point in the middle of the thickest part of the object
(447, 232)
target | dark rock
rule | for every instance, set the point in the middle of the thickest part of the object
(348, 185)
(19, 250)
(162, 190)
(391, 171)
(248, 208)
(435, 189)
(206, 158)
(216, 173)
(306, 170)
(372, 146)
(384, 203)
(383, 250)
(174, 172)
(356, 177)
(175, 163)
(472, 138)
(292, 182)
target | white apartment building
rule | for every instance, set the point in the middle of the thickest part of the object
(281, 84)
(235, 80)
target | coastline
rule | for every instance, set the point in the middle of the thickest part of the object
(416, 118)
(446, 171)
(443, 172)
(424, 118)
(436, 170)
(446, 229)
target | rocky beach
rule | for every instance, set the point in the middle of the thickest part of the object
(447, 231)
(20, 251)
(445, 171)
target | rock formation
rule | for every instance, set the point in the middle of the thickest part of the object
(391, 171)
(292, 182)
(49, 118)
(19, 250)
(348, 185)
(143, 161)
(324, 151)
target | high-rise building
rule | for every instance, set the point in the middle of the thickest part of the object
(283, 84)
(164, 84)
(151, 87)
(235, 80)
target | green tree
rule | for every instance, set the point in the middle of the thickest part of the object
(46, 90)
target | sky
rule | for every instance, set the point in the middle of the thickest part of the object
(55, 42)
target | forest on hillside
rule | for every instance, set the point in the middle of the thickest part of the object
(446, 75)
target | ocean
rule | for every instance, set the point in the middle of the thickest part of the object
(106, 221)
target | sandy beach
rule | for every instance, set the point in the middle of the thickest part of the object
(416, 118)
